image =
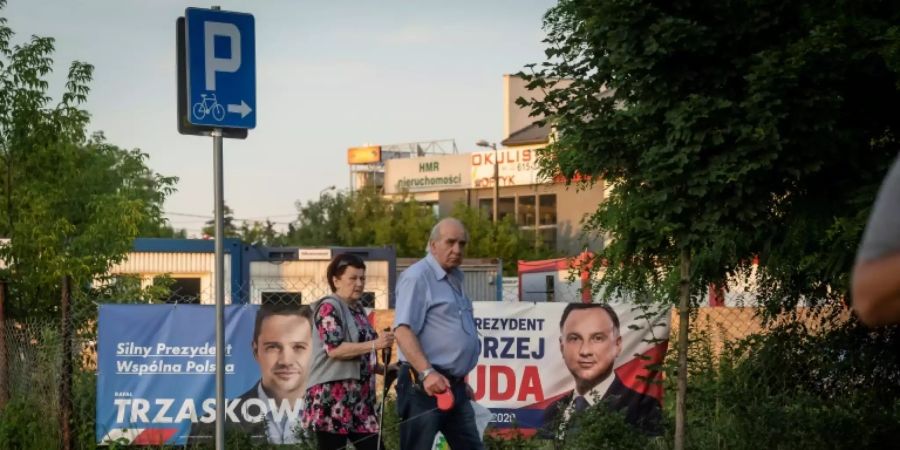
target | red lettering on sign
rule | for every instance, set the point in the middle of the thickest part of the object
(507, 372)
(479, 377)
(528, 387)
(531, 385)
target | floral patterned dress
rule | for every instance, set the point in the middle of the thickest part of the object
(343, 406)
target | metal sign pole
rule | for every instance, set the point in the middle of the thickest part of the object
(220, 288)
(217, 97)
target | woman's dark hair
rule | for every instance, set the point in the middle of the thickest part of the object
(338, 266)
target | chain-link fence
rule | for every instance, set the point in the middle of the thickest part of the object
(738, 363)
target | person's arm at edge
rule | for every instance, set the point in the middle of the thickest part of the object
(412, 350)
(351, 350)
(876, 290)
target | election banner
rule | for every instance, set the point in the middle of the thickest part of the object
(156, 372)
(525, 379)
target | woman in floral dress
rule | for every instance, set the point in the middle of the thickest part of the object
(340, 399)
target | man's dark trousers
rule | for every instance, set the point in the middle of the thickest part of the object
(421, 420)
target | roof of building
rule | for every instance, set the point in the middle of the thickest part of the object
(532, 134)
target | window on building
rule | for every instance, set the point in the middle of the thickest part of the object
(486, 205)
(506, 206)
(281, 298)
(526, 215)
(547, 209)
(434, 207)
(184, 290)
(548, 237)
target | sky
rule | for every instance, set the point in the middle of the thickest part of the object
(330, 75)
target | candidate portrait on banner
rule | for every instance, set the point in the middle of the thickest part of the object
(156, 373)
(269, 412)
(539, 358)
(590, 341)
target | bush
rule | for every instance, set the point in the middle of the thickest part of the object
(796, 388)
(24, 424)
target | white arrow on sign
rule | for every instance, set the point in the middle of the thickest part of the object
(243, 109)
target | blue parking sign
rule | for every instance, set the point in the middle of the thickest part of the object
(221, 68)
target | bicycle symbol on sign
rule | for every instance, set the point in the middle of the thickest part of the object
(208, 105)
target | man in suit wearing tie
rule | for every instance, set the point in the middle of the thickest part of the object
(590, 342)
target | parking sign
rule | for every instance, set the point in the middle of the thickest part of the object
(221, 68)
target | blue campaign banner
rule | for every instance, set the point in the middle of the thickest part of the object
(157, 369)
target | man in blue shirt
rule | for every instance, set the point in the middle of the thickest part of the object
(435, 330)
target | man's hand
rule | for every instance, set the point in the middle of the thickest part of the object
(435, 383)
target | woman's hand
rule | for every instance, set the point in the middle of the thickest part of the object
(385, 340)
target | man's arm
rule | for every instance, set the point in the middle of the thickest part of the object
(876, 290)
(409, 345)
(876, 277)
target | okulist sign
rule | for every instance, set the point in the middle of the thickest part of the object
(436, 173)
(516, 167)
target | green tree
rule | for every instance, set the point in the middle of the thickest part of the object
(260, 233)
(406, 227)
(228, 226)
(729, 130)
(359, 222)
(504, 240)
(164, 230)
(71, 203)
(317, 221)
(367, 219)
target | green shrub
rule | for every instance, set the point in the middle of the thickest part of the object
(794, 388)
(24, 424)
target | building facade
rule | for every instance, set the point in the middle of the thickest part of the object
(550, 210)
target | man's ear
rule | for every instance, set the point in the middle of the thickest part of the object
(618, 344)
(255, 348)
(561, 346)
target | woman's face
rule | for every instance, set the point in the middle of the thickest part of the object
(351, 284)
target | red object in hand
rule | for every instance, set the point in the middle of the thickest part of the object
(445, 400)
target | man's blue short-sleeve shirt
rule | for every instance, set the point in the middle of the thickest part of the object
(431, 302)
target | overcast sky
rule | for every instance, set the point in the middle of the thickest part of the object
(330, 75)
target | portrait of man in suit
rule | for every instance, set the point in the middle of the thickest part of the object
(590, 341)
(269, 412)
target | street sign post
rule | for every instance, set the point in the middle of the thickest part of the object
(221, 68)
(217, 97)
(184, 125)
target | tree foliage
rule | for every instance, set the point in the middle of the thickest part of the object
(366, 219)
(730, 129)
(70, 203)
(228, 226)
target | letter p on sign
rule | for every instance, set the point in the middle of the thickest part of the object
(214, 64)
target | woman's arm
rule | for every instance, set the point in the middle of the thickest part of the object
(350, 350)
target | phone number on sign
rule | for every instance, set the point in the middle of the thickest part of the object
(503, 417)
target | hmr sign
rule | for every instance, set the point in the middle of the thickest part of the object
(221, 68)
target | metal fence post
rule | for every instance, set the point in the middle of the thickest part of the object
(65, 386)
(684, 316)
(4, 364)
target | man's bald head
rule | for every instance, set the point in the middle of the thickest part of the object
(447, 242)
